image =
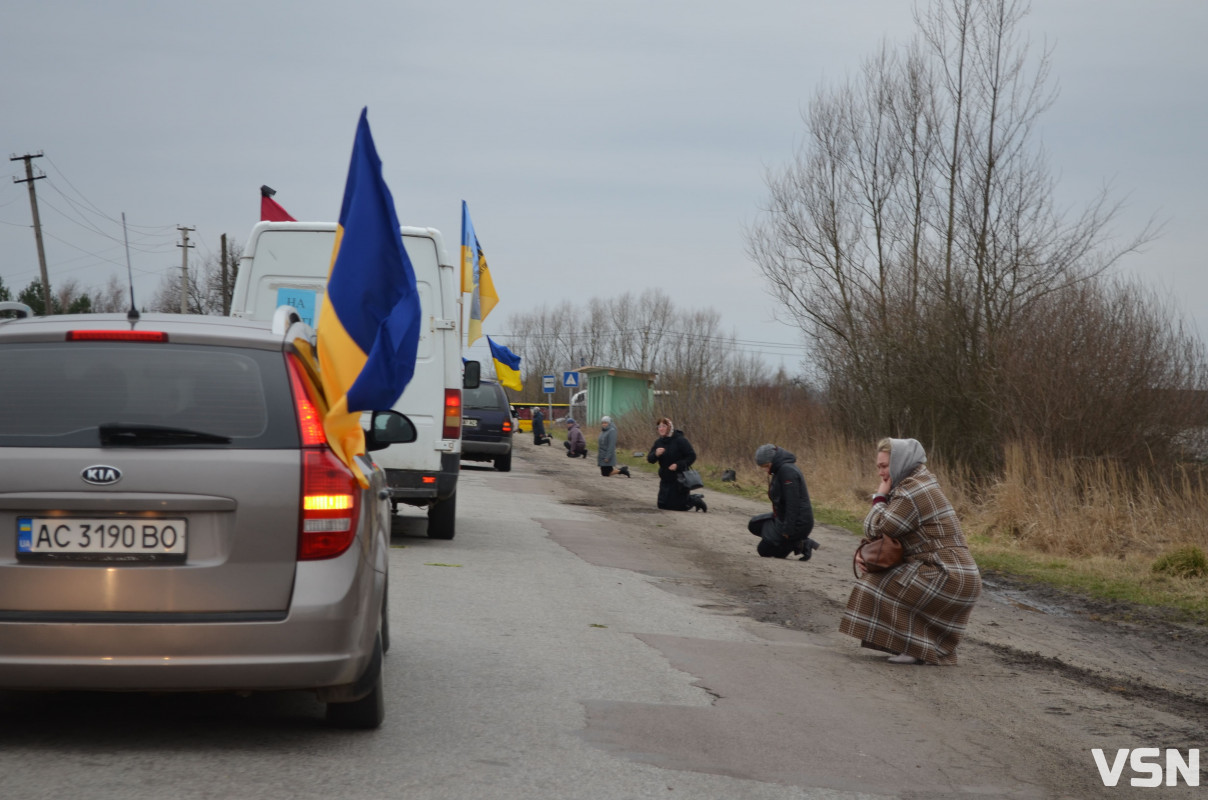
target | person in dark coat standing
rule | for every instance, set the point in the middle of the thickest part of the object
(575, 444)
(787, 528)
(673, 453)
(539, 436)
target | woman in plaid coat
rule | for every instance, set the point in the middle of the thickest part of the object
(917, 610)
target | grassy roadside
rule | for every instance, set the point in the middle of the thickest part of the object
(1111, 578)
(1132, 580)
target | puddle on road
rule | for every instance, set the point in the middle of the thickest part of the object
(1022, 601)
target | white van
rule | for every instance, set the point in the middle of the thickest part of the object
(287, 263)
(578, 408)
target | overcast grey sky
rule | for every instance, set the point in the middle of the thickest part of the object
(602, 147)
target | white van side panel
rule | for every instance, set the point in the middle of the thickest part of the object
(287, 263)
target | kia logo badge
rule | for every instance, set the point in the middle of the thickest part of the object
(101, 475)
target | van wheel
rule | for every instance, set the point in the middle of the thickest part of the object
(370, 711)
(504, 463)
(442, 518)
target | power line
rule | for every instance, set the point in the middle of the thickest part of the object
(743, 347)
(78, 210)
(88, 226)
(662, 332)
(93, 207)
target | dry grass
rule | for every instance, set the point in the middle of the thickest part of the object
(1085, 525)
(1093, 507)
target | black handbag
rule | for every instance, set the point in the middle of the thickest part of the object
(690, 479)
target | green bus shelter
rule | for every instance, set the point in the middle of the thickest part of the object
(612, 392)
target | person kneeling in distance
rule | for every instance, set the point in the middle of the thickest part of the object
(575, 444)
(538, 420)
(606, 450)
(786, 528)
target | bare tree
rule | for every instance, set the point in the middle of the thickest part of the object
(598, 327)
(686, 349)
(533, 338)
(917, 227)
(114, 296)
(653, 319)
(624, 319)
(208, 291)
(1121, 378)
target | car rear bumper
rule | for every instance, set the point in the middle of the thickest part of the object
(325, 639)
(470, 449)
(420, 486)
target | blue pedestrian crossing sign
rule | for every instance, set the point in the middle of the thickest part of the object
(570, 380)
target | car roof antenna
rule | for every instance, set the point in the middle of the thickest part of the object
(132, 314)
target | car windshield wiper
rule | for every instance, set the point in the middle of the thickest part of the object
(119, 434)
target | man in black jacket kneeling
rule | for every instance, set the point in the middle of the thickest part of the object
(787, 528)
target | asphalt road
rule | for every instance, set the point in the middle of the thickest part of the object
(550, 650)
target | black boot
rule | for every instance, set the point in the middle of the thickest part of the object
(625, 471)
(807, 548)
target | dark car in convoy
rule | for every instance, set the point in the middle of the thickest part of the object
(487, 425)
(174, 519)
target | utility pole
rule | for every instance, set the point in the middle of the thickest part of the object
(184, 267)
(226, 294)
(33, 204)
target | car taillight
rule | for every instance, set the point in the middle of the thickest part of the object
(331, 495)
(507, 426)
(452, 426)
(330, 505)
(117, 336)
(310, 421)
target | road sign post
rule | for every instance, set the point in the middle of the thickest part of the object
(570, 379)
(549, 385)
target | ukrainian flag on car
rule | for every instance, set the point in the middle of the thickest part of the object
(369, 325)
(507, 366)
(475, 277)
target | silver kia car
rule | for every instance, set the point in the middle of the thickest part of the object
(173, 519)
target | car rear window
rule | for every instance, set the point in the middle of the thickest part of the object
(59, 394)
(484, 396)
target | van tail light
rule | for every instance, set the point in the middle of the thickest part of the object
(331, 495)
(452, 426)
(507, 426)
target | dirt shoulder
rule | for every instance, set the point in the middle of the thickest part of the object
(1053, 674)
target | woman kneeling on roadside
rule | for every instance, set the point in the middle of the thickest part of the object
(673, 453)
(918, 609)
